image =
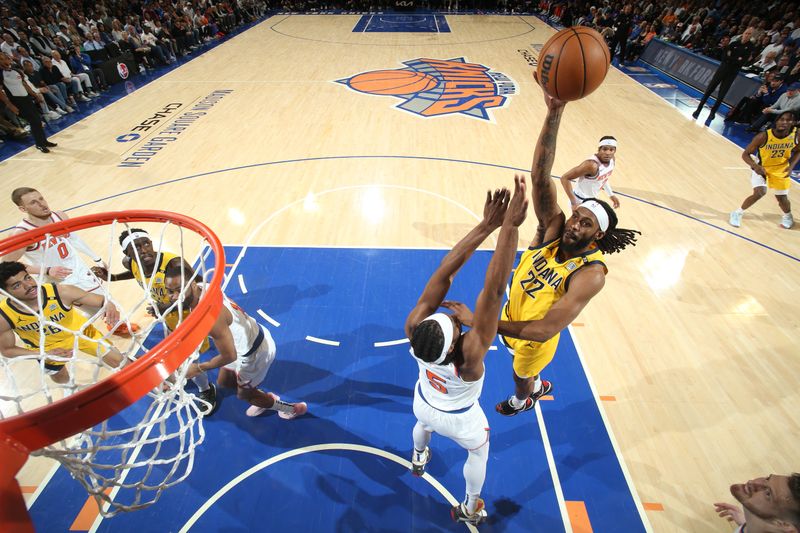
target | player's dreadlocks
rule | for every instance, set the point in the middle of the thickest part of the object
(427, 340)
(615, 239)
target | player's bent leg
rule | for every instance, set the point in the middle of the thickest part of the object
(528, 388)
(422, 453)
(60, 376)
(226, 378)
(782, 195)
(473, 509)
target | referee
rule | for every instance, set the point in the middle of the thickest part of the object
(19, 101)
(734, 56)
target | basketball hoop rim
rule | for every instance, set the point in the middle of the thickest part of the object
(54, 422)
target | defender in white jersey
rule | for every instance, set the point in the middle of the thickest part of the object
(246, 350)
(58, 256)
(585, 181)
(451, 370)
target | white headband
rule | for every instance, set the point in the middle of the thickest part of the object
(447, 328)
(599, 213)
(127, 241)
(607, 142)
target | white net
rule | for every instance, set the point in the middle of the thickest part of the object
(68, 326)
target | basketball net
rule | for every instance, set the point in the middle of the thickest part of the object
(126, 461)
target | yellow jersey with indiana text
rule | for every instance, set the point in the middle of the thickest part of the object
(539, 281)
(157, 290)
(61, 322)
(775, 153)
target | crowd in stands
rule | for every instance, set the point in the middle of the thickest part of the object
(706, 27)
(57, 48)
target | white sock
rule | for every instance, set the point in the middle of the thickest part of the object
(282, 406)
(515, 402)
(201, 380)
(471, 502)
(739, 211)
(537, 385)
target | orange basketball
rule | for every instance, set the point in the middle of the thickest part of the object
(573, 63)
(394, 82)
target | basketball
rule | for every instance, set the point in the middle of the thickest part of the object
(573, 63)
(393, 82)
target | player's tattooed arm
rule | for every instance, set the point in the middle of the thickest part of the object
(544, 193)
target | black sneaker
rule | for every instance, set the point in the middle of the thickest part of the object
(696, 114)
(210, 397)
(459, 513)
(418, 468)
(506, 409)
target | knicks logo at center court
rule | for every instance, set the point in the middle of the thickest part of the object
(436, 87)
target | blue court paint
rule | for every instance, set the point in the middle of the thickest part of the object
(402, 23)
(360, 394)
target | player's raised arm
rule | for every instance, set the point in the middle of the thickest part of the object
(439, 283)
(484, 322)
(549, 216)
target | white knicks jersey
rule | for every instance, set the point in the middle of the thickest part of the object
(244, 328)
(589, 186)
(442, 387)
(59, 251)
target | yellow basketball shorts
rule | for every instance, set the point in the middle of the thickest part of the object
(93, 345)
(530, 357)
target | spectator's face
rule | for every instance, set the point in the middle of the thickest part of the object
(27, 67)
(725, 41)
(746, 34)
(775, 82)
(56, 55)
(768, 497)
(96, 35)
(7, 38)
(47, 63)
(5, 60)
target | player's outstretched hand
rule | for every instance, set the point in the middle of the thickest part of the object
(518, 206)
(460, 311)
(100, 272)
(495, 207)
(731, 512)
(552, 103)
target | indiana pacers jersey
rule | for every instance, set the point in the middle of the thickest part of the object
(61, 324)
(539, 281)
(157, 290)
(774, 156)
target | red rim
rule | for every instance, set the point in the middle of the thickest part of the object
(51, 423)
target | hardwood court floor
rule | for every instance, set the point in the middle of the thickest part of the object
(695, 334)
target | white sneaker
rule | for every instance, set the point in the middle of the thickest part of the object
(787, 221)
(82, 98)
(736, 219)
(60, 111)
(53, 115)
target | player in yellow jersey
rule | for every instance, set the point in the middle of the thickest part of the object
(556, 277)
(30, 309)
(772, 155)
(147, 266)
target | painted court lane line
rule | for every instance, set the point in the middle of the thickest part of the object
(268, 318)
(309, 338)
